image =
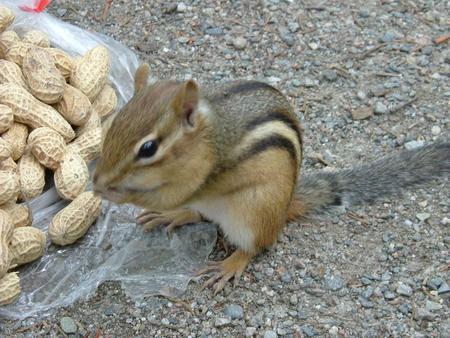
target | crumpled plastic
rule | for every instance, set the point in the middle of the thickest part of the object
(115, 247)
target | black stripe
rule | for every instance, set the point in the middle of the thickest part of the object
(273, 141)
(244, 87)
(276, 116)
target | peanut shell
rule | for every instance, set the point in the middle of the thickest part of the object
(7, 39)
(7, 17)
(63, 61)
(88, 144)
(37, 38)
(6, 231)
(106, 101)
(20, 214)
(8, 165)
(72, 222)
(11, 73)
(93, 122)
(29, 110)
(5, 150)
(26, 245)
(45, 81)
(9, 186)
(71, 177)
(47, 146)
(91, 72)
(74, 106)
(9, 288)
(16, 136)
(31, 176)
(6, 118)
(16, 52)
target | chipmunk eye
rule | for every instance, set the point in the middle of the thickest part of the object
(148, 149)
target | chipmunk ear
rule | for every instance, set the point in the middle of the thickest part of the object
(186, 103)
(141, 77)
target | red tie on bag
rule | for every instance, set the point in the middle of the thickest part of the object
(39, 6)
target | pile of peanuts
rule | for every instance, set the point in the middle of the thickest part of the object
(51, 110)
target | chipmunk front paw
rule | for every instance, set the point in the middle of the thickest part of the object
(171, 219)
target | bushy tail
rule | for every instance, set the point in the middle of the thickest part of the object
(389, 176)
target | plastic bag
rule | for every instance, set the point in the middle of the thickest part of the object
(115, 248)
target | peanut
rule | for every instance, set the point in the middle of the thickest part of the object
(63, 61)
(93, 122)
(16, 136)
(47, 146)
(31, 176)
(29, 110)
(11, 73)
(6, 18)
(74, 106)
(37, 38)
(8, 165)
(91, 72)
(9, 186)
(6, 231)
(71, 177)
(6, 118)
(9, 288)
(88, 144)
(45, 81)
(72, 222)
(7, 39)
(16, 52)
(5, 150)
(20, 214)
(26, 245)
(106, 101)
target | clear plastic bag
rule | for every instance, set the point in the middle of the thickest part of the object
(115, 248)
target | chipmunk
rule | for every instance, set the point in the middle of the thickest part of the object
(231, 154)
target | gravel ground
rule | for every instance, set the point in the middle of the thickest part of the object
(367, 80)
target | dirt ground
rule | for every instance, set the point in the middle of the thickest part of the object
(366, 79)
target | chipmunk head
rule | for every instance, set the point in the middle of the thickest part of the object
(156, 152)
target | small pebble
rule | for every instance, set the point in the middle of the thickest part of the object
(444, 289)
(432, 306)
(435, 283)
(250, 331)
(61, 11)
(234, 311)
(423, 216)
(308, 330)
(286, 277)
(68, 325)
(435, 130)
(366, 281)
(414, 145)
(424, 314)
(239, 43)
(270, 334)
(221, 321)
(389, 295)
(405, 308)
(307, 82)
(181, 7)
(362, 113)
(214, 31)
(330, 75)
(404, 290)
(293, 300)
(365, 303)
(293, 26)
(380, 108)
(368, 292)
(333, 283)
